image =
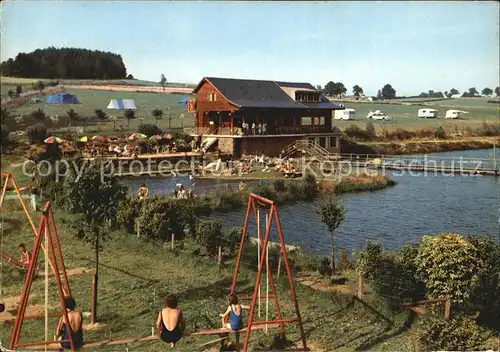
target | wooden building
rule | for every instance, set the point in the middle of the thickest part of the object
(242, 116)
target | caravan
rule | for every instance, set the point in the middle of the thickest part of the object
(428, 113)
(346, 114)
(454, 114)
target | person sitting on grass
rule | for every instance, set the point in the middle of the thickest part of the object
(75, 326)
(170, 324)
(25, 255)
(232, 318)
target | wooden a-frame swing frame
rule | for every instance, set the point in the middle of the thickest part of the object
(254, 202)
(46, 229)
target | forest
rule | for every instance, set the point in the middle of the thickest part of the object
(65, 63)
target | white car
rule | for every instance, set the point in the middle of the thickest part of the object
(378, 115)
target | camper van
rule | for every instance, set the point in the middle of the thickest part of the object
(378, 115)
(346, 114)
(428, 113)
(454, 114)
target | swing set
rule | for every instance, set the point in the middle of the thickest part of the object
(54, 259)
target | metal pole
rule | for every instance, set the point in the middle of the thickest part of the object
(258, 251)
(46, 287)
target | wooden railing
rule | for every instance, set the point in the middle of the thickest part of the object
(270, 130)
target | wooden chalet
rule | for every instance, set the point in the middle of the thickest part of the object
(281, 112)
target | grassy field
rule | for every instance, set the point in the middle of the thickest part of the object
(405, 116)
(94, 99)
(136, 275)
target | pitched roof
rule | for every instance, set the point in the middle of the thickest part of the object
(262, 94)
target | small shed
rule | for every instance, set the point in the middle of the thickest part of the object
(61, 98)
(122, 104)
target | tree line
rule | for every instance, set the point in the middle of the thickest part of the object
(67, 63)
(337, 89)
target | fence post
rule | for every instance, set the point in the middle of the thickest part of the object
(138, 228)
(173, 240)
(447, 308)
(219, 260)
(361, 286)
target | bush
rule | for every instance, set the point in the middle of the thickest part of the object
(209, 235)
(149, 129)
(38, 115)
(345, 261)
(358, 133)
(279, 185)
(440, 133)
(370, 129)
(126, 213)
(449, 266)
(457, 334)
(4, 135)
(160, 217)
(37, 133)
(324, 268)
(231, 239)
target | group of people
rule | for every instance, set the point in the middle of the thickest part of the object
(254, 129)
(170, 324)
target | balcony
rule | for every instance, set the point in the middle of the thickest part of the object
(270, 130)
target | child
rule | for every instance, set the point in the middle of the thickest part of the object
(232, 317)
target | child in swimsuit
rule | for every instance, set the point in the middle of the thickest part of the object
(232, 317)
(170, 323)
(75, 328)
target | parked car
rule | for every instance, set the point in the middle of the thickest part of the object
(378, 115)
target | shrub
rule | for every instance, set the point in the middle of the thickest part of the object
(126, 213)
(231, 239)
(279, 185)
(209, 235)
(440, 133)
(149, 129)
(4, 135)
(345, 261)
(370, 129)
(457, 334)
(37, 133)
(358, 133)
(38, 115)
(159, 218)
(260, 190)
(449, 266)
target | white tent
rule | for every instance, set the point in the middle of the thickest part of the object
(122, 104)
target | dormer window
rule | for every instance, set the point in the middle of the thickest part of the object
(308, 96)
(212, 97)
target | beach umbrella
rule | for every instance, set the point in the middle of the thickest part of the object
(167, 136)
(99, 138)
(84, 139)
(53, 140)
(135, 136)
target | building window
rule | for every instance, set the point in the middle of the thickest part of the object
(306, 121)
(322, 142)
(333, 142)
(212, 97)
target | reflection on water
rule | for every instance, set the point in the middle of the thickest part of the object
(416, 206)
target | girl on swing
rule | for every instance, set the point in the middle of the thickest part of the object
(232, 318)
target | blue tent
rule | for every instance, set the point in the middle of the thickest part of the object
(61, 98)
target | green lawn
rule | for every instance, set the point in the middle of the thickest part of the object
(406, 116)
(136, 275)
(96, 99)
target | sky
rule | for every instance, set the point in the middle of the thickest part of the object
(414, 46)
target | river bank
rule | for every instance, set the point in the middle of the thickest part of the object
(424, 146)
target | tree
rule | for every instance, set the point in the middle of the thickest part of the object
(129, 115)
(84, 120)
(4, 115)
(388, 92)
(40, 85)
(357, 90)
(339, 89)
(487, 91)
(446, 94)
(332, 213)
(100, 115)
(19, 90)
(157, 114)
(318, 87)
(38, 115)
(163, 81)
(453, 91)
(330, 88)
(497, 91)
(379, 94)
(449, 265)
(94, 196)
(473, 91)
(10, 93)
(71, 116)
(4, 135)
(130, 76)
(37, 133)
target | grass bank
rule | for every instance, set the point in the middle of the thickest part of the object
(135, 276)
